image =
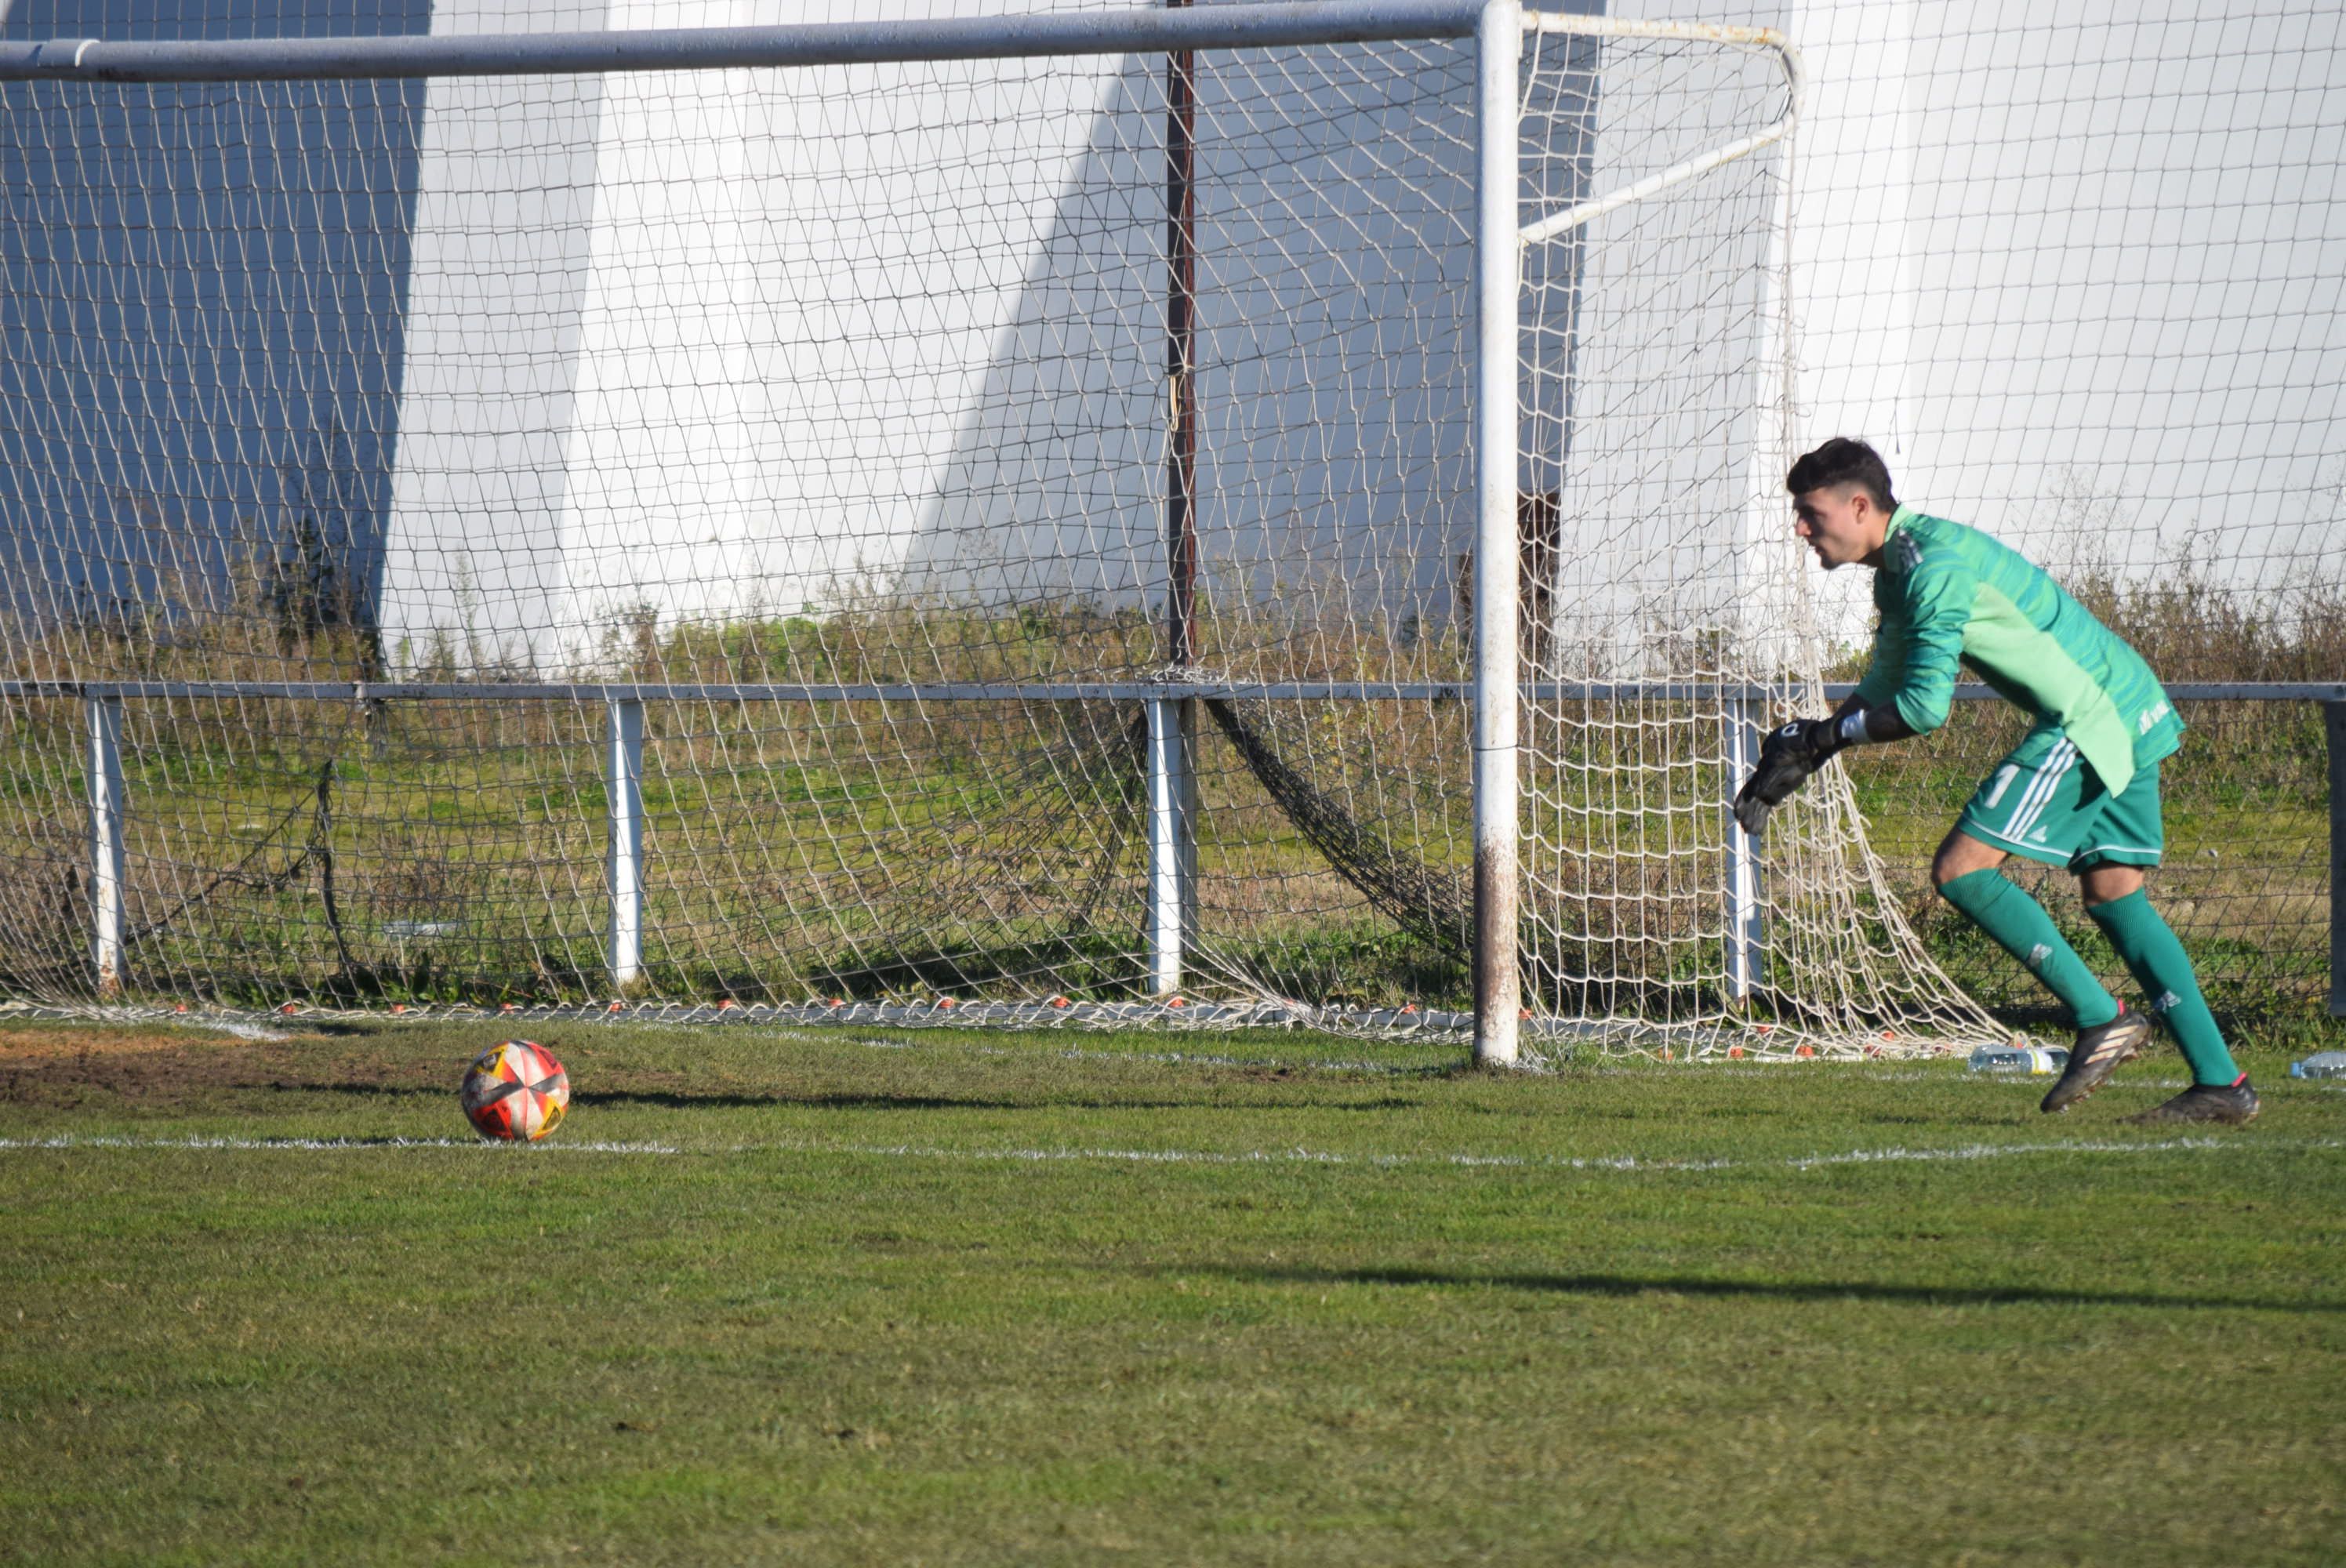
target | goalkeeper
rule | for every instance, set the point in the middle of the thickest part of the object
(2081, 790)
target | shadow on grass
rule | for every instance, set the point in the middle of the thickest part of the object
(686, 1100)
(174, 1077)
(1782, 1290)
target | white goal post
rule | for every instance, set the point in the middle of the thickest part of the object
(1241, 513)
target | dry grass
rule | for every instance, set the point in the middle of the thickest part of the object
(775, 824)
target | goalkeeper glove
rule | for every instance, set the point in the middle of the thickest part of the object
(1787, 757)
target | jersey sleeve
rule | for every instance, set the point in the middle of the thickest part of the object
(1937, 595)
(1887, 667)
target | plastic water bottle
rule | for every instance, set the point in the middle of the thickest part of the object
(2021, 1058)
(2320, 1065)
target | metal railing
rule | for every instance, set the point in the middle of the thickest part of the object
(1748, 709)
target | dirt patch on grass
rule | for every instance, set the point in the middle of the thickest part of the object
(80, 1066)
(154, 1068)
(59, 1043)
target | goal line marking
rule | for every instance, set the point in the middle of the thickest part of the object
(1894, 1155)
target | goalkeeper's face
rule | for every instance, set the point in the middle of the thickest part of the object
(1841, 523)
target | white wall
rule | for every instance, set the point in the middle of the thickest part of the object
(2073, 265)
(477, 551)
(640, 370)
(901, 331)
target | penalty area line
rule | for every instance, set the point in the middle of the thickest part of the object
(1626, 1163)
(1896, 1155)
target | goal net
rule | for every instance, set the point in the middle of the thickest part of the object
(998, 530)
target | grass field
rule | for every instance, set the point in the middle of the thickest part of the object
(828, 1297)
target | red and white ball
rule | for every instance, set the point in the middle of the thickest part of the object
(516, 1091)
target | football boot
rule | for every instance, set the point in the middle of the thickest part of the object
(2096, 1056)
(2232, 1104)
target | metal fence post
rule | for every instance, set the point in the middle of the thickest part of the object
(1172, 839)
(103, 771)
(2334, 716)
(623, 779)
(1745, 933)
(1498, 277)
(1172, 721)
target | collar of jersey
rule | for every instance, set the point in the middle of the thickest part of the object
(1899, 519)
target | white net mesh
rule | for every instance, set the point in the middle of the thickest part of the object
(828, 378)
(1670, 617)
(809, 400)
(2072, 268)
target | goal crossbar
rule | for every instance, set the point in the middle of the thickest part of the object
(1145, 30)
(1137, 31)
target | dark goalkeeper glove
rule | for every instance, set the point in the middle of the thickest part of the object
(1787, 757)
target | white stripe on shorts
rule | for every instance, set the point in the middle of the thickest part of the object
(2040, 793)
(2037, 782)
(2058, 768)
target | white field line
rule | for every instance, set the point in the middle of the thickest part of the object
(231, 1026)
(145, 1018)
(1896, 1155)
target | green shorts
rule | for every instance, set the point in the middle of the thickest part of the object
(2048, 803)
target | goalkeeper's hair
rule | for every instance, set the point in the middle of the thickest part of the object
(1843, 459)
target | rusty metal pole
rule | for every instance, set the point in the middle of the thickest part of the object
(1181, 350)
(1498, 272)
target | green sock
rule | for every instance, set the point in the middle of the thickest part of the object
(2021, 926)
(2158, 962)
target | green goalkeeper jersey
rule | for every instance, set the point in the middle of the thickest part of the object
(1947, 593)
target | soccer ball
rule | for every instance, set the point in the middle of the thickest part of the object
(516, 1091)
